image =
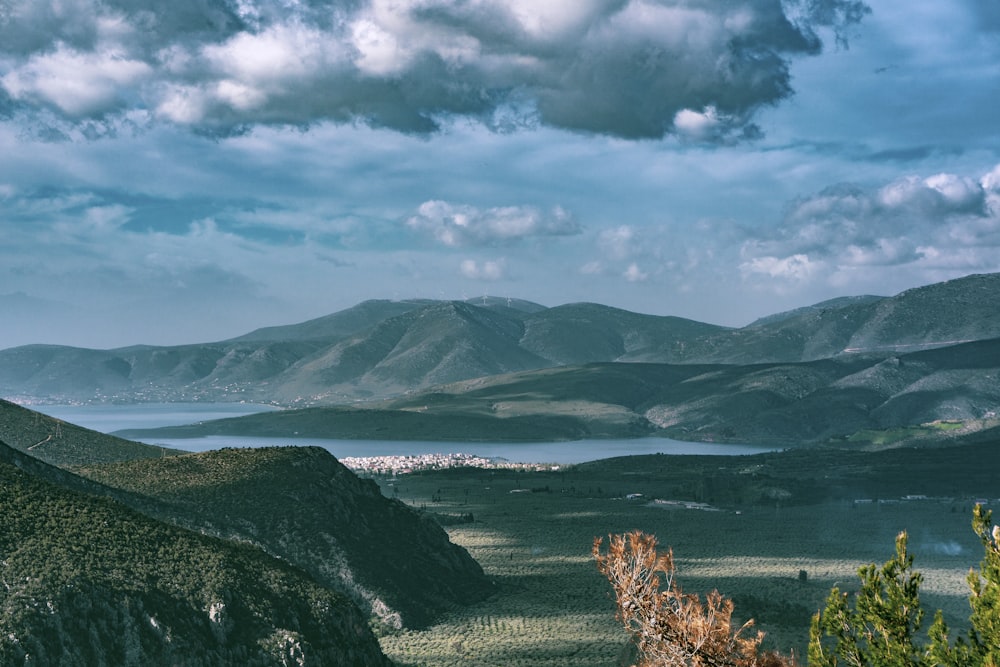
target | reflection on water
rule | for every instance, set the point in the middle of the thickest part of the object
(109, 418)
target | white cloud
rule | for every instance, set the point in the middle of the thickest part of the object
(76, 83)
(489, 270)
(911, 226)
(634, 274)
(463, 225)
(962, 193)
(796, 268)
(618, 243)
(627, 68)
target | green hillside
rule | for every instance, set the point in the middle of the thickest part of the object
(63, 444)
(302, 505)
(88, 581)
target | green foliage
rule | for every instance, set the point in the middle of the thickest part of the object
(899, 434)
(984, 637)
(302, 505)
(62, 444)
(881, 629)
(87, 581)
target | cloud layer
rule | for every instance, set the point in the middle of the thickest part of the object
(626, 68)
(464, 225)
(939, 223)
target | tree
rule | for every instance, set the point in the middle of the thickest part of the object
(671, 628)
(984, 635)
(881, 630)
(880, 627)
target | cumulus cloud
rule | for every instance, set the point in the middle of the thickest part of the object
(619, 243)
(463, 225)
(938, 222)
(488, 270)
(626, 68)
(640, 253)
(634, 274)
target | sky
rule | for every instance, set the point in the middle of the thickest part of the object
(187, 171)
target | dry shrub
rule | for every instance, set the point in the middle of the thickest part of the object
(671, 628)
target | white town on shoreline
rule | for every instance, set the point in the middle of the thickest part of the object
(403, 464)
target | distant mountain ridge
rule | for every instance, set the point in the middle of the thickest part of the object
(381, 349)
(932, 395)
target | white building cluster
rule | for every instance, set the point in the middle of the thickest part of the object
(402, 464)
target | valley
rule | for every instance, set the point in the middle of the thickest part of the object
(754, 527)
(880, 414)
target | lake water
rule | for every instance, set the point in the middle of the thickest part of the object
(110, 418)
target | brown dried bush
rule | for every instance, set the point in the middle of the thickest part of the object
(671, 628)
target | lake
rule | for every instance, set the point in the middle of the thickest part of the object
(110, 418)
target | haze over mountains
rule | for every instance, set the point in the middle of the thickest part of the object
(381, 349)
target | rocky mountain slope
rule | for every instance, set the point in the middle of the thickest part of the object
(299, 504)
(302, 505)
(90, 581)
(381, 348)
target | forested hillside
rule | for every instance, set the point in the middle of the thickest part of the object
(88, 581)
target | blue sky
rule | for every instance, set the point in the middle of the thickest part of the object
(188, 171)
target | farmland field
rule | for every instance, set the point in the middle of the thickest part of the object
(775, 551)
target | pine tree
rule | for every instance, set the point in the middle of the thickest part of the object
(881, 630)
(984, 635)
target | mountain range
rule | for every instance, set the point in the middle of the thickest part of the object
(938, 394)
(511, 369)
(114, 552)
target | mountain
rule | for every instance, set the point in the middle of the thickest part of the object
(90, 581)
(299, 504)
(63, 444)
(382, 349)
(942, 314)
(439, 343)
(773, 403)
(580, 333)
(338, 325)
(830, 304)
(302, 505)
(378, 348)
